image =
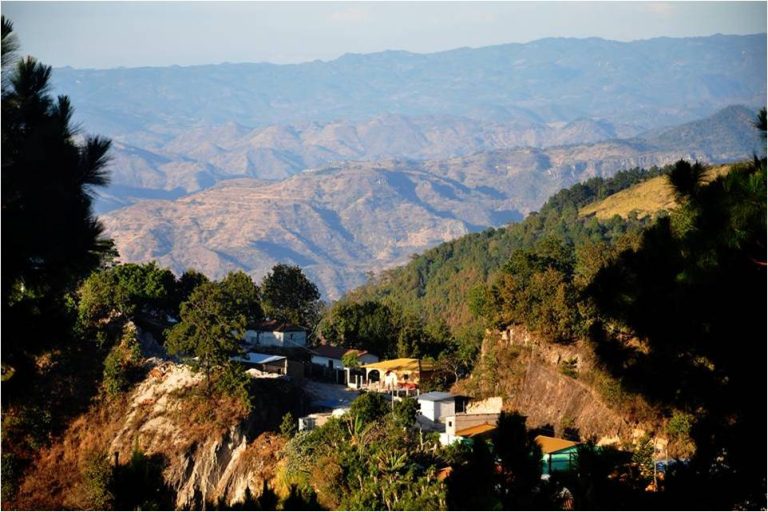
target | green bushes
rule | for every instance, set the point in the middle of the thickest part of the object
(370, 459)
(98, 481)
(122, 364)
(288, 426)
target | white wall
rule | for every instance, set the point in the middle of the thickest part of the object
(461, 421)
(445, 408)
(276, 339)
(428, 409)
(294, 339)
(437, 410)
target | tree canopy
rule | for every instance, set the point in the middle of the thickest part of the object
(288, 296)
(211, 330)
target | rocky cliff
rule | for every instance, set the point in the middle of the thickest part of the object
(560, 386)
(213, 447)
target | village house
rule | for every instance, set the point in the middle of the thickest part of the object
(557, 454)
(318, 419)
(332, 357)
(270, 363)
(392, 375)
(272, 333)
(437, 405)
(263, 362)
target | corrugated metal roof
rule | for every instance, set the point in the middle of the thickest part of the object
(553, 444)
(256, 358)
(436, 396)
(476, 430)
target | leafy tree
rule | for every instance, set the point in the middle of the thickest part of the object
(244, 296)
(122, 363)
(111, 297)
(369, 326)
(288, 296)
(139, 484)
(267, 500)
(186, 284)
(472, 482)
(760, 121)
(350, 360)
(536, 289)
(300, 499)
(369, 407)
(686, 179)
(98, 481)
(366, 460)
(210, 330)
(405, 412)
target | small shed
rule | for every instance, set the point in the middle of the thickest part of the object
(557, 454)
(264, 362)
(437, 405)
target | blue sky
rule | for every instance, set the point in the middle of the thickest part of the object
(112, 34)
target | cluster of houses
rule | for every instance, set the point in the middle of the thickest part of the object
(285, 352)
(456, 418)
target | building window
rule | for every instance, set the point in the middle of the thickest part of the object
(450, 423)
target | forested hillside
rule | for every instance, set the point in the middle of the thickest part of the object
(643, 312)
(440, 285)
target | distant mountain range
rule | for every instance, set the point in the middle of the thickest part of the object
(647, 84)
(179, 130)
(198, 158)
(346, 220)
(349, 166)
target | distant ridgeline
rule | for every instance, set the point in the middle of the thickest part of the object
(438, 285)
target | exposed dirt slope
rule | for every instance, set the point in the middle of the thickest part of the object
(214, 447)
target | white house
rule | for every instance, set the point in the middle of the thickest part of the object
(331, 357)
(437, 405)
(276, 334)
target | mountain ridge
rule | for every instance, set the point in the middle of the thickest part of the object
(343, 221)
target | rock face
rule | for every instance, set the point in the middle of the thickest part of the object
(213, 447)
(216, 458)
(527, 373)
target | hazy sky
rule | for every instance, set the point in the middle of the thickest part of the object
(111, 34)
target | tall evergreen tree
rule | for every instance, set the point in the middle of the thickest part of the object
(51, 238)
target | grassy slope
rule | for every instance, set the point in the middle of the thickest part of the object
(644, 198)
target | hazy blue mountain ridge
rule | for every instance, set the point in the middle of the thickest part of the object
(648, 83)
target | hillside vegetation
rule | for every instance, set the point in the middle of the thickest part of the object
(341, 222)
(438, 285)
(643, 199)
